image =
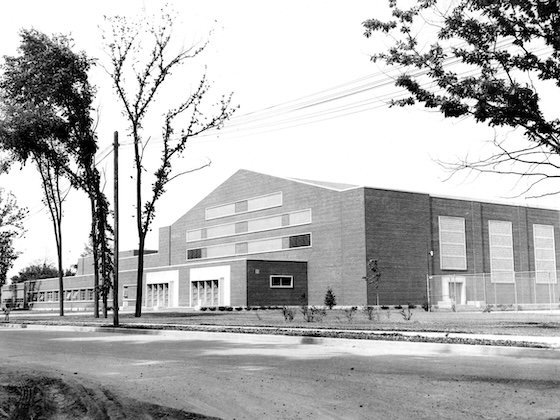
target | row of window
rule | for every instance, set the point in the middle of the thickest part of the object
(244, 206)
(453, 250)
(260, 224)
(69, 295)
(251, 247)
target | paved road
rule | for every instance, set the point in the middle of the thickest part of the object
(252, 376)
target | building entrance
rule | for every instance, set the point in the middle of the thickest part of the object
(205, 293)
(158, 295)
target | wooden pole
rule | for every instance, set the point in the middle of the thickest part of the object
(116, 225)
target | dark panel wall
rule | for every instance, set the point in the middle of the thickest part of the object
(259, 291)
(398, 236)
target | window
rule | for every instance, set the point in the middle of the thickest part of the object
(264, 202)
(89, 294)
(125, 292)
(545, 253)
(501, 251)
(194, 235)
(193, 254)
(264, 245)
(55, 295)
(220, 251)
(221, 230)
(281, 282)
(453, 250)
(83, 294)
(265, 223)
(220, 211)
(298, 241)
(299, 218)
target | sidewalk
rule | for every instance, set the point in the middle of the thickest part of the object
(383, 335)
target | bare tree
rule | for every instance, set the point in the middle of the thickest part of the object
(143, 51)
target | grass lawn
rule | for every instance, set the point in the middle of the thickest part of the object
(544, 323)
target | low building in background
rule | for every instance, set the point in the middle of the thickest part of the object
(260, 240)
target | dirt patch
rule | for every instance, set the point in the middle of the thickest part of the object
(39, 395)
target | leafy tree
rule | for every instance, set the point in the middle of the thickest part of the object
(46, 102)
(142, 60)
(373, 278)
(37, 271)
(494, 61)
(11, 227)
(330, 298)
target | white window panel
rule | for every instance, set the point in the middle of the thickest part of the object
(545, 254)
(221, 230)
(220, 251)
(264, 202)
(453, 249)
(194, 235)
(266, 223)
(300, 217)
(264, 245)
(501, 251)
(220, 211)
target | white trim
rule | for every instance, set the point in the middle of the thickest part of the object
(317, 184)
(552, 280)
(490, 246)
(291, 286)
(254, 240)
(246, 211)
(251, 231)
(441, 244)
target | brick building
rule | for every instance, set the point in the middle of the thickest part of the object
(264, 240)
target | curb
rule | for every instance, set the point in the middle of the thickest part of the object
(552, 343)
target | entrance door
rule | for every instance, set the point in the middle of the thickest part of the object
(158, 295)
(455, 289)
(205, 293)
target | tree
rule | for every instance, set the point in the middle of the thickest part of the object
(11, 227)
(491, 61)
(373, 278)
(46, 104)
(142, 60)
(330, 298)
(37, 271)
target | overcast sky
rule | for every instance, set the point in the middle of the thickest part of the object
(286, 62)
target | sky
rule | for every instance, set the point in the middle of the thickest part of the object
(285, 62)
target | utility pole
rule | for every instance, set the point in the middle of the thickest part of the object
(116, 224)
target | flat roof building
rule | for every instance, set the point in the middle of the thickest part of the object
(261, 240)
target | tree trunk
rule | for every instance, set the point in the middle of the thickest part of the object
(139, 277)
(139, 225)
(95, 244)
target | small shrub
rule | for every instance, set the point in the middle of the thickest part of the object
(203, 308)
(221, 308)
(238, 308)
(388, 313)
(398, 307)
(426, 306)
(330, 299)
(262, 308)
(371, 313)
(229, 308)
(487, 309)
(406, 314)
(384, 307)
(254, 308)
(311, 314)
(247, 308)
(349, 313)
(212, 308)
(411, 306)
(288, 313)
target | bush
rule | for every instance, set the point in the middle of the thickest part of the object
(247, 308)
(411, 306)
(398, 307)
(238, 308)
(311, 314)
(229, 308)
(221, 308)
(371, 313)
(426, 306)
(406, 314)
(384, 307)
(203, 308)
(288, 313)
(330, 299)
(349, 312)
(262, 308)
(212, 308)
